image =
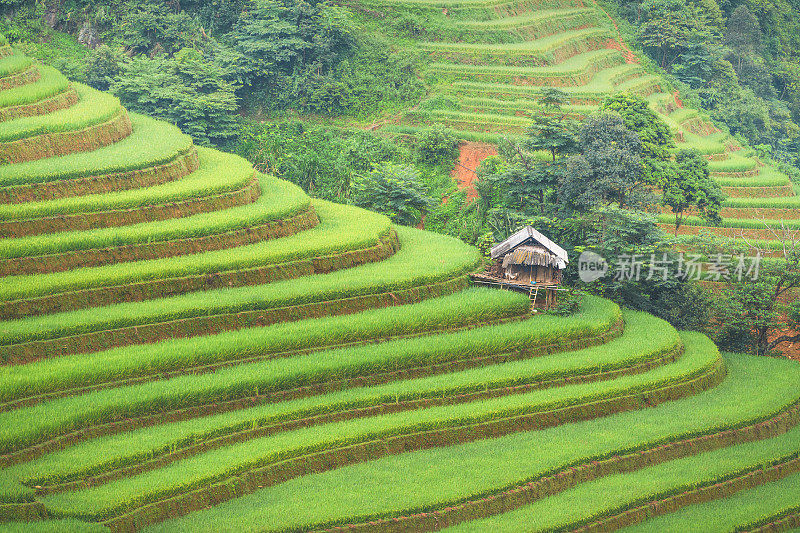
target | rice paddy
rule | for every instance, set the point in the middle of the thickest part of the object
(152, 143)
(177, 359)
(93, 108)
(487, 83)
(51, 83)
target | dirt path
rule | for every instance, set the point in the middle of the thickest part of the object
(470, 155)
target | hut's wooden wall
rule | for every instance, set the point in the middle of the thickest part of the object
(529, 274)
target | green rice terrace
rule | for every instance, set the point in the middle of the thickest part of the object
(488, 62)
(190, 345)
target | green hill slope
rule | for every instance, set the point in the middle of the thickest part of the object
(488, 62)
(189, 345)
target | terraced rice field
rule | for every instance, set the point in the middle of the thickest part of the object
(489, 60)
(189, 345)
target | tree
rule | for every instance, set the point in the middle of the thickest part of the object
(669, 26)
(696, 64)
(217, 16)
(188, 91)
(755, 308)
(552, 134)
(364, 81)
(755, 314)
(322, 160)
(711, 14)
(310, 56)
(787, 78)
(273, 37)
(743, 34)
(520, 181)
(394, 190)
(654, 134)
(523, 187)
(103, 66)
(150, 27)
(490, 194)
(553, 98)
(608, 171)
(636, 252)
(623, 237)
(690, 186)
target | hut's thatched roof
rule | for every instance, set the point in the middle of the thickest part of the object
(531, 238)
(531, 256)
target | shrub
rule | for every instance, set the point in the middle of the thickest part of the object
(567, 304)
(103, 65)
(437, 145)
(394, 190)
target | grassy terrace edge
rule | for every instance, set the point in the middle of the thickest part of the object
(357, 377)
(458, 503)
(430, 262)
(442, 436)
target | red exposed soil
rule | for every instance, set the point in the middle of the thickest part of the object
(789, 349)
(619, 43)
(627, 53)
(470, 155)
(678, 100)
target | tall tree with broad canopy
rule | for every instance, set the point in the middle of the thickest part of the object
(552, 131)
(278, 37)
(758, 315)
(743, 34)
(690, 186)
(654, 134)
(669, 27)
(609, 170)
(187, 90)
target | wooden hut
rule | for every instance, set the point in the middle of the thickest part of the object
(527, 261)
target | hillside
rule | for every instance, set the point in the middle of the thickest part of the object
(487, 64)
(190, 345)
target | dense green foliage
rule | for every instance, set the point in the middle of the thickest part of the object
(404, 180)
(393, 190)
(738, 59)
(188, 91)
(609, 170)
(759, 315)
(690, 186)
(323, 161)
(197, 63)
